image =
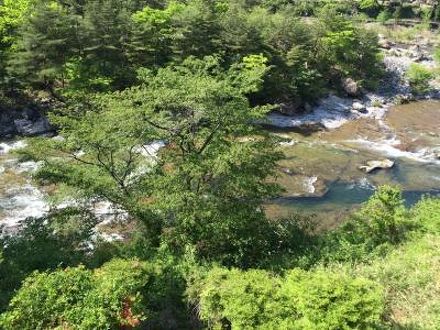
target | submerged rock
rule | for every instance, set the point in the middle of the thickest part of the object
(376, 165)
(300, 185)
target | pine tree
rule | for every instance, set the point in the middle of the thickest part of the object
(48, 38)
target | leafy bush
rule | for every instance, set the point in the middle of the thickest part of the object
(384, 16)
(326, 300)
(77, 298)
(44, 243)
(437, 54)
(301, 300)
(245, 300)
(419, 77)
(381, 222)
(426, 214)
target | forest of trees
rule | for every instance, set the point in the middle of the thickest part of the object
(195, 77)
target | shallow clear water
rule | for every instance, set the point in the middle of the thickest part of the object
(408, 135)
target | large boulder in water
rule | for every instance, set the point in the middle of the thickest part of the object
(373, 165)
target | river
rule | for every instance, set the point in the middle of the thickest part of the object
(321, 172)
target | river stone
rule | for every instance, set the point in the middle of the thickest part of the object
(351, 87)
(59, 138)
(300, 185)
(308, 107)
(376, 165)
(292, 107)
(384, 43)
(358, 106)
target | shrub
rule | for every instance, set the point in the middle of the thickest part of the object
(411, 275)
(419, 77)
(384, 16)
(326, 300)
(383, 218)
(243, 300)
(302, 300)
(77, 298)
(427, 215)
(437, 54)
(381, 222)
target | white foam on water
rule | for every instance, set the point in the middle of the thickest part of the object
(309, 184)
(22, 202)
(27, 167)
(388, 148)
(332, 112)
(107, 212)
(151, 149)
(364, 183)
(288, 143)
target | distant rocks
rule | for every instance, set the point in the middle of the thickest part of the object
(385, 43)
(29, 122)
(292, 108)
(373, 165)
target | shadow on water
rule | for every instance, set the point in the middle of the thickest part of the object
(344, 195)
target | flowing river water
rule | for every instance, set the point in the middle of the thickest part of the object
(321, 172)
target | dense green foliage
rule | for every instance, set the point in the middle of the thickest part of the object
(384, 288)
(45, 244)
(205, 186)
(159, 111)
(299, 300)
(80, 299)
(99, 45)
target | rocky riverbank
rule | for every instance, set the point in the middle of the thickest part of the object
(334, 110)
(25, 114)
(28, 122)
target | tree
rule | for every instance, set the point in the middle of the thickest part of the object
(344, 49)
(152, 35)
(107, 28)
(48, 38)
(206, 186)
(12, 14)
